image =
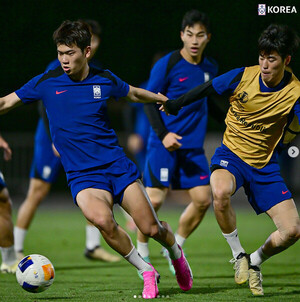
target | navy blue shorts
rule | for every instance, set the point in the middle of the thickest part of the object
(113, 177)
(45, 165)
(182, 169)
(264, 187)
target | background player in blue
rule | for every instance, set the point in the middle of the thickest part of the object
(264, 112)
(174, 157)
(98, 172)
(45, 169)
(9, 260)
(137, 124)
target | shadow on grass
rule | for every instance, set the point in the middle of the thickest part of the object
(194, 291)
(56, 298)
(281, 274)
(283, 294)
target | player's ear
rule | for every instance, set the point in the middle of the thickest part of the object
(208, 37)
(181, 35)
(88, 51)
(287, 60)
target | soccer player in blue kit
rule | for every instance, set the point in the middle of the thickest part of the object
(264, 112)
(174, 157)
(9, 259)
(98, 172)
(45, 170)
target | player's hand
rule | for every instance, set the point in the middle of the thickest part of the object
(171, 142)
(7, 151)
(135, 143)
(162, 102)
(168, 107)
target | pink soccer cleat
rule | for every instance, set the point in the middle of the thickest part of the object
(151, 279)
(183, 272)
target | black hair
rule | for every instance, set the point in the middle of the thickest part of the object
(73, 32)
(279, 38)
(194, 16)
(95, 27)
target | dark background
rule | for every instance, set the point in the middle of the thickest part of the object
(132, 32)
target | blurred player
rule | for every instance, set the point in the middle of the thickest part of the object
(98, 172)
(45, 170)
(174, 157)
(9, 260)
(265, 109)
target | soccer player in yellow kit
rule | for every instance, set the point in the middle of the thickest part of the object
(264, 103)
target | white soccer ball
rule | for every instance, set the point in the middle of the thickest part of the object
(35, 273)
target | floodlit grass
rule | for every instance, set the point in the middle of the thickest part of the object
(60, 236)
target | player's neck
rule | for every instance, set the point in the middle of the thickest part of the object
(191, 59)
(82, 74)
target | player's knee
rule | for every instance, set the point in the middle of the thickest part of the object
(202, 204)
(104, 223)
(156, 203)
(151, 230)
(35, 196)
(292, 234)
(221, 193)
(157, 197)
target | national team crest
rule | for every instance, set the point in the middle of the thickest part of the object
(262, 9)
(97, 92)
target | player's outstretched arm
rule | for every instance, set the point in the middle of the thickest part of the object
(197, 93)
(9, 102)
(139, 95)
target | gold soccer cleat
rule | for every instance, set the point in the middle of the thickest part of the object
(241, 267)
(9, 269)
(255, 281)
(101, 254)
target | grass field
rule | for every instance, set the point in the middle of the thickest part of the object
(61, 236)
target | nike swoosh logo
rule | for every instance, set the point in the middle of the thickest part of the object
(59, 92)
(203, 177)
(284, 192)
(183, 79)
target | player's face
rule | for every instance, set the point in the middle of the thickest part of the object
(73, 60)
(195, 39)
(272, 68)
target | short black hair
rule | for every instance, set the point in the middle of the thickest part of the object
(194, 16)
(95, 27)
(279, 38)
(73, 32)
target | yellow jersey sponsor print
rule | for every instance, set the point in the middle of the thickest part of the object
(256, 120)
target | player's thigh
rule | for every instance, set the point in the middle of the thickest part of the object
(157, 196)
(223, 183)
(96, 204)
(285, 215)
(138, 205)
(201, 195)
